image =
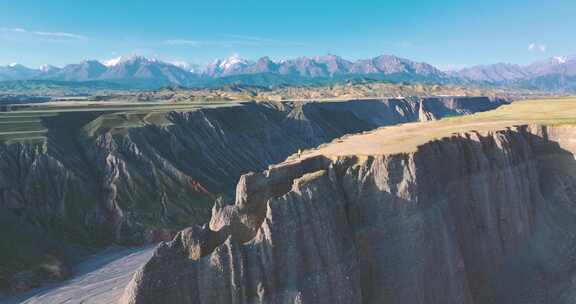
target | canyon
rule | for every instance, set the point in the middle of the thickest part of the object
(75, 179)
(472, 209)
(287, 152)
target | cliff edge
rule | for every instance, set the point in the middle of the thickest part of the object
(77, 178)
(483, 215)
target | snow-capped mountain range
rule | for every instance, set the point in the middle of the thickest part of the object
(500, 72)
(555, 73)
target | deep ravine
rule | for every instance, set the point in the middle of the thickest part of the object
(477, 217)
(88, 186)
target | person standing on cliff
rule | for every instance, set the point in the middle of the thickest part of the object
(299, 153)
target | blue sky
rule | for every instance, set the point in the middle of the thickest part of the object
(449, 33)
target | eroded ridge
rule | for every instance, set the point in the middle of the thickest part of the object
(130, 174)
(476, 217)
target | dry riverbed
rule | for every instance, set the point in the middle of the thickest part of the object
(100, 279)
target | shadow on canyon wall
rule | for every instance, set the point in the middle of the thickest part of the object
(473, 218)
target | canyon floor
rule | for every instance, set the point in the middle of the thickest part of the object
(99, 279)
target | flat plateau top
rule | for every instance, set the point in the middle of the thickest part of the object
(27, 123)
(407, 137)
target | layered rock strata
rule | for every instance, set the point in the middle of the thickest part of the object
(477, 217)
(89, 185)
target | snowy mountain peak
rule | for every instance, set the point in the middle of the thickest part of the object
(561, 59)
(47, 68)
(141, 59)
(231, 62)
(132, 59)
(181, 64)
(112, 62)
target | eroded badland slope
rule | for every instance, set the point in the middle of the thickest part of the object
(475, 209)
(75, 177)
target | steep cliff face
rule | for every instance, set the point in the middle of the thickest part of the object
(438, 107)
(472, 218)
(96, 181)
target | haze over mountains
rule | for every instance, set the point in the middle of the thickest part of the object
(556, 74)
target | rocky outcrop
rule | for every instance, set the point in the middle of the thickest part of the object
(90, 185)
(472, 218)
(236, 271)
